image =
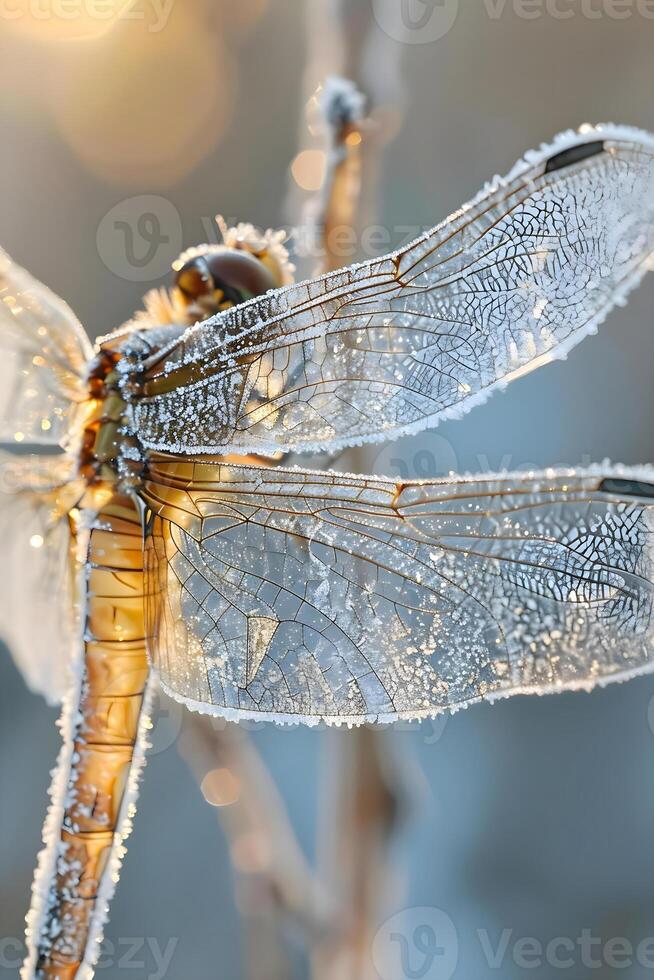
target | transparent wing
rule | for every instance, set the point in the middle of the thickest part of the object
(300, 595)
(509, 282)
(36, 602)
(43, 356)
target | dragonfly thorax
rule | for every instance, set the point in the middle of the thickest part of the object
(109, 452)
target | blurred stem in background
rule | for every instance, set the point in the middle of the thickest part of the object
(366, 782)
(343, 40)
(275, 887)
(364, 786)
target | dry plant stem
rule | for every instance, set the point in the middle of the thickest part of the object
(362, 813)
(366, 793)
(274, 883)
(344, 39)
(340, 196)
(259, 832)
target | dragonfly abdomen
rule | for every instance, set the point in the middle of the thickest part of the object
(109, 741)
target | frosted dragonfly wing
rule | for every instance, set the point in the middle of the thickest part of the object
(37, 618)
(44, 353)
(512, 280)
(299, 596)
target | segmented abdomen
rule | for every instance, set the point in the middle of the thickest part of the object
(107, 730)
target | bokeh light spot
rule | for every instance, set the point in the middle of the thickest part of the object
(308, 169)
(142, 107)
(221, 787)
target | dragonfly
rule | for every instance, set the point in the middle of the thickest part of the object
(161, 542)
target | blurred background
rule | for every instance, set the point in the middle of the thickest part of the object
(125, 128)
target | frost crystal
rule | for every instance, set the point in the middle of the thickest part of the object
(509, 282)
(299, 595)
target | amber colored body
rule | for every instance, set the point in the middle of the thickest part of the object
(108, 728)
(114, 682)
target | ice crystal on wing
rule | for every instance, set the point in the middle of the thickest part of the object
(43, 356)
(303, 595)
(37, 618)
(507, 283)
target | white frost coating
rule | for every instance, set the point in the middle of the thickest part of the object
(640, 473)
(36, 612)
(303, 596)
(118, 850)
(341, 103)
(513, 280)
(44, 352)
(62, 776)
(312, 721)
(69, 723)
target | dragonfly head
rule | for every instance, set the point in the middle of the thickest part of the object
(217, 277)
(249, 262)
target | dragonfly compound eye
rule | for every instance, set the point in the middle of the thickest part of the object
(222, 278)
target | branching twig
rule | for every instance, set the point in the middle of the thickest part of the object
(367, 787)
(274, 882)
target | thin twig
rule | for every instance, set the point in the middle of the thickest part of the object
(367, 789)
(275, 886)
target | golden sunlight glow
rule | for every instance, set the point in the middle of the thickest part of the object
(56, 21)
(136, 123)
